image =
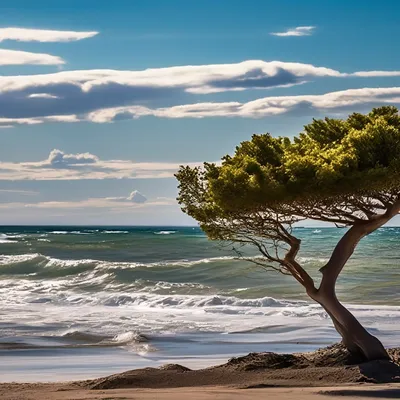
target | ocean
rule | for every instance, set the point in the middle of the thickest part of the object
(83, 302)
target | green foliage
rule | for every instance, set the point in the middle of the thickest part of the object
(330, 161)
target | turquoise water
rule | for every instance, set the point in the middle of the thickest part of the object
(154, 294)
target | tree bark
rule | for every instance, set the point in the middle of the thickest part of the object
(358, 341)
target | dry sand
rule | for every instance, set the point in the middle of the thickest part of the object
(64, 392)
(324, 374)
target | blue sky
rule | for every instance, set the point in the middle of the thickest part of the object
(101, 101)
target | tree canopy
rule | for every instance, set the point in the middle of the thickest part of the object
(336, 170)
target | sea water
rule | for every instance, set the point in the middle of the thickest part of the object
(81, 302)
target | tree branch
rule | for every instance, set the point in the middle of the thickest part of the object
(345, 247)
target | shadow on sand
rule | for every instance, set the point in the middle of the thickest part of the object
(371, 393)
(380, 372)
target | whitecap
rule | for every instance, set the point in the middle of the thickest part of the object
(6, 239)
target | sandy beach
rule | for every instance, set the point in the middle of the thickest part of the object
(65, 392)
(322, 374)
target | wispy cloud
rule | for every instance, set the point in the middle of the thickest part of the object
(62, 166)
(23, 192)
(332, 102)
(340, 101)
(96, 202)
(42, 96)
(10, 122)
(298, 31)
(95, 211)
(42, 35)
(15, 57)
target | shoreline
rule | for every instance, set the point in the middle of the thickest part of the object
(322, 374)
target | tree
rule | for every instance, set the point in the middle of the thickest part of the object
(345, 172)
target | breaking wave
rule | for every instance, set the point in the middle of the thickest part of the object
(36, 262)
(6, 239)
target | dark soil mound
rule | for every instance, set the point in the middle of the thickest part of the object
(328, 366)
(333, 356)
(255, 361)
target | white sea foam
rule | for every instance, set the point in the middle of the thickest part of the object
(6, 239)
(18, 258)
(312, 260)
(50, 262)
(164, 232)
(150, 313)
(129, 337)
(99, 264)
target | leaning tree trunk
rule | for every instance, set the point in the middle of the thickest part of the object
(358, 341)
(356, 338)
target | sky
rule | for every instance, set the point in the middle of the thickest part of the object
(101, 101)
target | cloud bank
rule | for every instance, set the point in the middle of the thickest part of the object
(299, 31)
(101, 95)
(61, 166)
(42, 35)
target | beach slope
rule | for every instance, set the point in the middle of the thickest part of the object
(323, 374)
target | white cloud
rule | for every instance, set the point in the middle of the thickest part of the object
(263, 107)
(332, 102)
(10, 122)
(61, 166)
(42, 96)
(42, 35)
(134, 197)
(58, 159)
(298, 31)
(69, 96)
(15, 57)
(376, 74)
(193, 79)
